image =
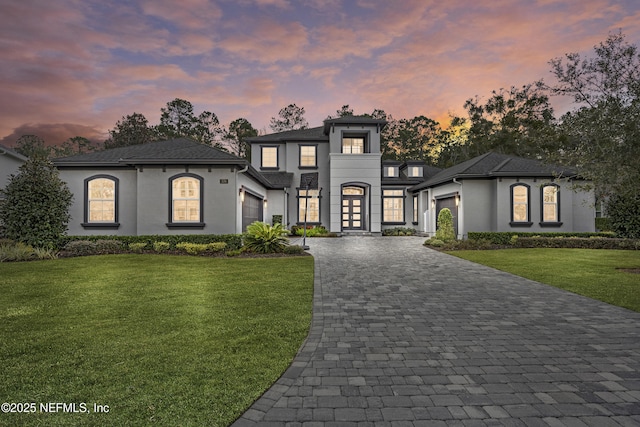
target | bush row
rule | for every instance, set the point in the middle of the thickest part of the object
(577, 242)
(233, 241)
(504, 237)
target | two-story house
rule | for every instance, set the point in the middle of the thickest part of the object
(180, 186)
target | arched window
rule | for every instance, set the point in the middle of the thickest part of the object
(550, 205)
(101, 201)
(185, 199)
(520, 206)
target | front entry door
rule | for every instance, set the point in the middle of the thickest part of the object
(353, 212)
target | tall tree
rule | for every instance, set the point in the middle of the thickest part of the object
(36, 206)
(290, 117)
(601, 136)
(178, 120)
(32, 146)
(76, 145)
(345, 111)
(418, 139)
(239, 129)
(131, 130)
(518, 121)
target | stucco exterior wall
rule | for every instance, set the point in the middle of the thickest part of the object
(322, 160)
(9, 165)
(574, 214)
(127, 201)
(363, 169)
(218, 209)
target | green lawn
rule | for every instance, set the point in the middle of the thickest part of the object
(166, 340)
(593, 273)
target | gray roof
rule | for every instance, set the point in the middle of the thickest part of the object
(491, 165)
(279, 179)
(311, 134)
(12, 153)
(173, 151)
(353, 120)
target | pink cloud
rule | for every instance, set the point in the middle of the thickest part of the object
(268, 42)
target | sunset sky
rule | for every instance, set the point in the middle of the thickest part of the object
(75, 67)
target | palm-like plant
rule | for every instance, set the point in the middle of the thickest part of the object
(264, 238)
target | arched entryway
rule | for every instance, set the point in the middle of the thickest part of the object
(353, 208)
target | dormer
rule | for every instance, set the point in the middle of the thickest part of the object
(413, 169)
(391, 169)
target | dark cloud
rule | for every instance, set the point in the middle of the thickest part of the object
(54, 133)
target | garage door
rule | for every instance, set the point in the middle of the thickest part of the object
(449, 202)
(251, 210)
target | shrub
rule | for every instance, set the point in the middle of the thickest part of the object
(216, 246)
(15, 251)
(234, 252)
(80, 248)
(137, 247)
(293, 250)
(603, 224)
(192, 248)
(105, 246)
(445, 231)
(161, 247)
(45, 253)
(512, 241)
(36, 206)
(434, 241)
(316, 231)
(399, 231)
(264, 238)
(624, 215)
(276, 219)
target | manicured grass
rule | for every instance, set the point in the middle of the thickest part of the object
(593, 273)
(166, 340)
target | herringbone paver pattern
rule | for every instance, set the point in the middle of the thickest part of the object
(406, 336)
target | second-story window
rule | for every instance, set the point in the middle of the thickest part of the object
(414, 171)
(269, 158)
(353, 145)
(308, 156)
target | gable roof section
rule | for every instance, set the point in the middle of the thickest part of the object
(6, 151)
(173, 151)
(492, 165)
(311, 134)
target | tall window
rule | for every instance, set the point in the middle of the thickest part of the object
(353, 145)
(520, 203)
(269, 157)
(186, 199)
(550, 206)
(101, 199)
(308, 156)
(309, 202)
(415, 209)
(393, 206)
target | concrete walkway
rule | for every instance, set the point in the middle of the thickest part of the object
(406, 336)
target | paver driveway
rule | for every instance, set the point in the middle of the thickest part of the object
(403, 336)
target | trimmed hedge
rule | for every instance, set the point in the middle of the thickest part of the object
(399, 231)
(233, 241)
(603, 224)
(504, 237)
(577, 242)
